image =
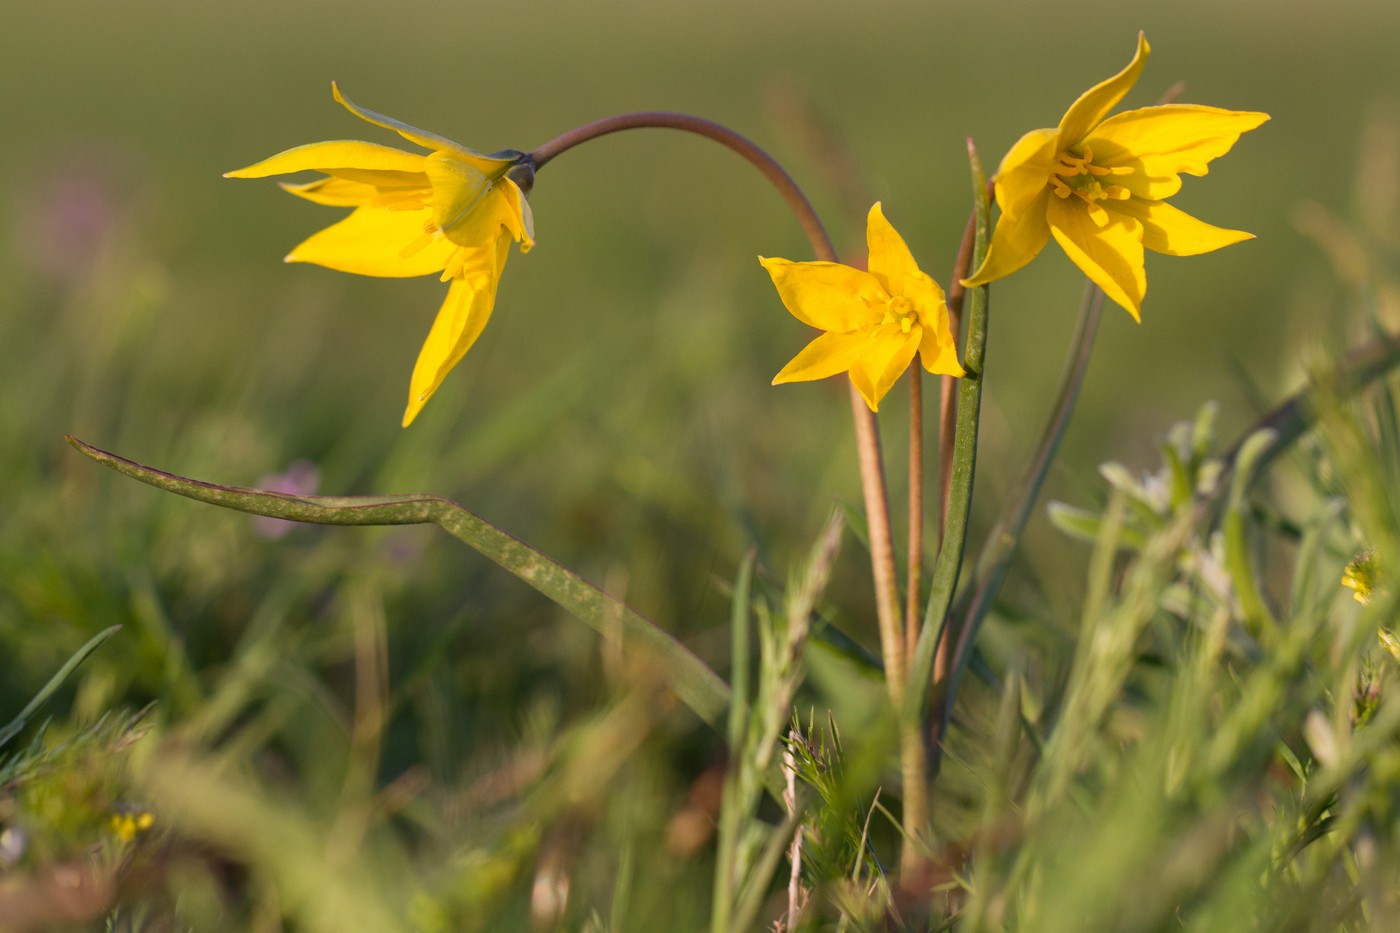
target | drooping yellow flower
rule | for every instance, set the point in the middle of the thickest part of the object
(1098, 187)
(452, 211)
(875, 321)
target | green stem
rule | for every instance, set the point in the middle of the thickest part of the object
(1005, 535)
(964, 465)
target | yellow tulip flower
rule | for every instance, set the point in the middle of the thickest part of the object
(1098, 187)
(875, 321)
(452, 211)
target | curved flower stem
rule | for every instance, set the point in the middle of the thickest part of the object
(661, 119)
(872, 471)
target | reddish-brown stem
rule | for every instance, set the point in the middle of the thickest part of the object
(661, 119)
(867, 430)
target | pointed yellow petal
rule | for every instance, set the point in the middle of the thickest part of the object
(1025, 171)
(459, 322)
(1160, 142)
(519, 206)
(885, 357)
(1111, 255)
(374, 241)
(423, 138)
(333, 192)
(1095, 103)
(1016, 240)
(894, 267)
(890, 260)
(329, 156)
(1175, 232)
(826, 295)
(938, 354)
(827, 355)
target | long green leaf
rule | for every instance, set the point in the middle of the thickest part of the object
(57, 680)
(694, 683)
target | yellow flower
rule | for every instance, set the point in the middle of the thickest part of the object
(1359, 576)
(452, 211)
(1098, 187)
(875, 321)
(127, 825)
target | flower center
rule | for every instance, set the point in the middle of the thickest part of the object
(900, 310)
(1077, 175)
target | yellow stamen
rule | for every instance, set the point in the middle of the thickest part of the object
(1078, 175)
(900, 310)
(430, 233)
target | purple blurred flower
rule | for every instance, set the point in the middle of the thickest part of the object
(301, 478)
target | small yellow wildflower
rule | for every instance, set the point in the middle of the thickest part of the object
(1389, 642)
(1360, 576)
(452, 211)
(875, 321)
(1098, 187)
(128, 825)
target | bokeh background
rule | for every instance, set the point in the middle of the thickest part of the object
(617, 412)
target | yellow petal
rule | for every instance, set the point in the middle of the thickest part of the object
(1094, 104)
(826, 295)
(377, 241)
(519, 210)
(458, 188)
(938, 353)
(827, 355)
(1025, 171)
(1175, 232)
(1160, 142)
(1111, 255)
(329, 156)
(885, 357)
(1016, 240)
(459, 322)
(486, 164)
(890, 260)
(894, 267)
(333, 192)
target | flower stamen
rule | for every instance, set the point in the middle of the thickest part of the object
(900, 310)
(1078, 175)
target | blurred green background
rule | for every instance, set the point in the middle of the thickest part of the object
(617, 413)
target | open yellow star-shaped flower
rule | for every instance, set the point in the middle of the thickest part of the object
(875, 321)
(1098, 187)
(452, 211)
